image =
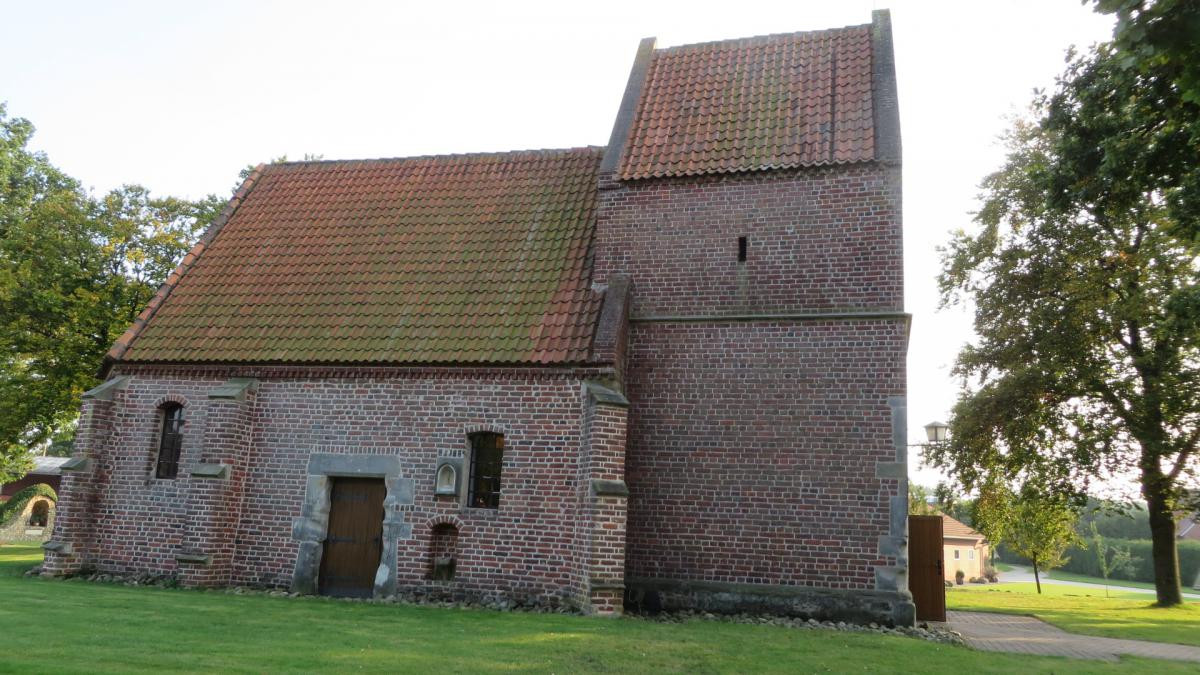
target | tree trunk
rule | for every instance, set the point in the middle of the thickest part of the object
(1036, 577)
(1162, 537)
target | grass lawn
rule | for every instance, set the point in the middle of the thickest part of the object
(76, 626)
(1003, 567)
(1112, 583)
(1085, 610)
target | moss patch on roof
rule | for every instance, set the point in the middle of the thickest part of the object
(476, 259)
(770, 102)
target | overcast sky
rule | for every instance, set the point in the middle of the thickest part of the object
(180, 96)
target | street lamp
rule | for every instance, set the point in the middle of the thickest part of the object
(937, 432)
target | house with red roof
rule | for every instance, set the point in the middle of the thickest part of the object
(664, 373)
(965, 550)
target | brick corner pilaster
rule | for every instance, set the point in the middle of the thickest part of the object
(72, 547)
(603, 497)
(216, 485)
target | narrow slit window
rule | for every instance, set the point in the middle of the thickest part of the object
(742, 249)
(170, 442)
(487, 460)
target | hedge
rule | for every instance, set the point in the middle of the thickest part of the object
(14, 506)
(1084, 561)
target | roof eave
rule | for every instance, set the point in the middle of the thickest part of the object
(123, 343)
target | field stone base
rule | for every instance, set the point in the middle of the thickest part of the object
(887, 608)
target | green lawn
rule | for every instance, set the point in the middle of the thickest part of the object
(1059, 575)
(1085, 610)
(1003, 567)
(76, 626)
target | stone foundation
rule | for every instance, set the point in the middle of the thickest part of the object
(889, 608)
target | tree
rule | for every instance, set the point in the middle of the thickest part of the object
(1159, 35)
(918, 501)
(1122, 560)
(75, 270)
(1115, 520)
(1155, 47)
(1087, 307)
(953, 504)
(991, 512)
(1040, 527)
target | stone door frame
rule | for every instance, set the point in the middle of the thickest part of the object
(311, 528)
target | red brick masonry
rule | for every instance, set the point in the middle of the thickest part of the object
(542, 545)
(766, 392)
(695, 355)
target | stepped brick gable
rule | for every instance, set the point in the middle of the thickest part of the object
(668, 372)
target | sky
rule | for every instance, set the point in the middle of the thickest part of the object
(179, 97)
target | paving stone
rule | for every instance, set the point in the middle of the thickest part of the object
(1027, 635)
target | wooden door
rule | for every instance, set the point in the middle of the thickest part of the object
(925, 576)
(354, 540)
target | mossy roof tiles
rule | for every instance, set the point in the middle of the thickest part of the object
(458, 259)
(770, 102)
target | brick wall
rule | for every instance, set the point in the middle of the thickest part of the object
(603, 520)
(753, 449)
(756, 430)
(215, 501)
(528, 549)
(77, 500)
(817, 239)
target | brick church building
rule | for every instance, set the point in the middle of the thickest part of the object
(669, 372)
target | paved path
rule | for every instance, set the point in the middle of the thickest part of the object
(1019, 574)
(1027, 635)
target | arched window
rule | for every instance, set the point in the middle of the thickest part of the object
(170, 441)
(487, 455)
(40, 516)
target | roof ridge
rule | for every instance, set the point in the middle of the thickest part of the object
(537, 152)
(759, 39)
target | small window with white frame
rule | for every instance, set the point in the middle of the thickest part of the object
(956, 553)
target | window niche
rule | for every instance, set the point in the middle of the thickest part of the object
(487, 461)
(443, 552)
(446, 478)
(170, 442)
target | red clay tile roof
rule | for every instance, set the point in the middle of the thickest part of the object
(778, 101)
(957, 529)
(454, 259)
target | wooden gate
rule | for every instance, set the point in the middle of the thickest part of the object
(354, 540)
(925, 575)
